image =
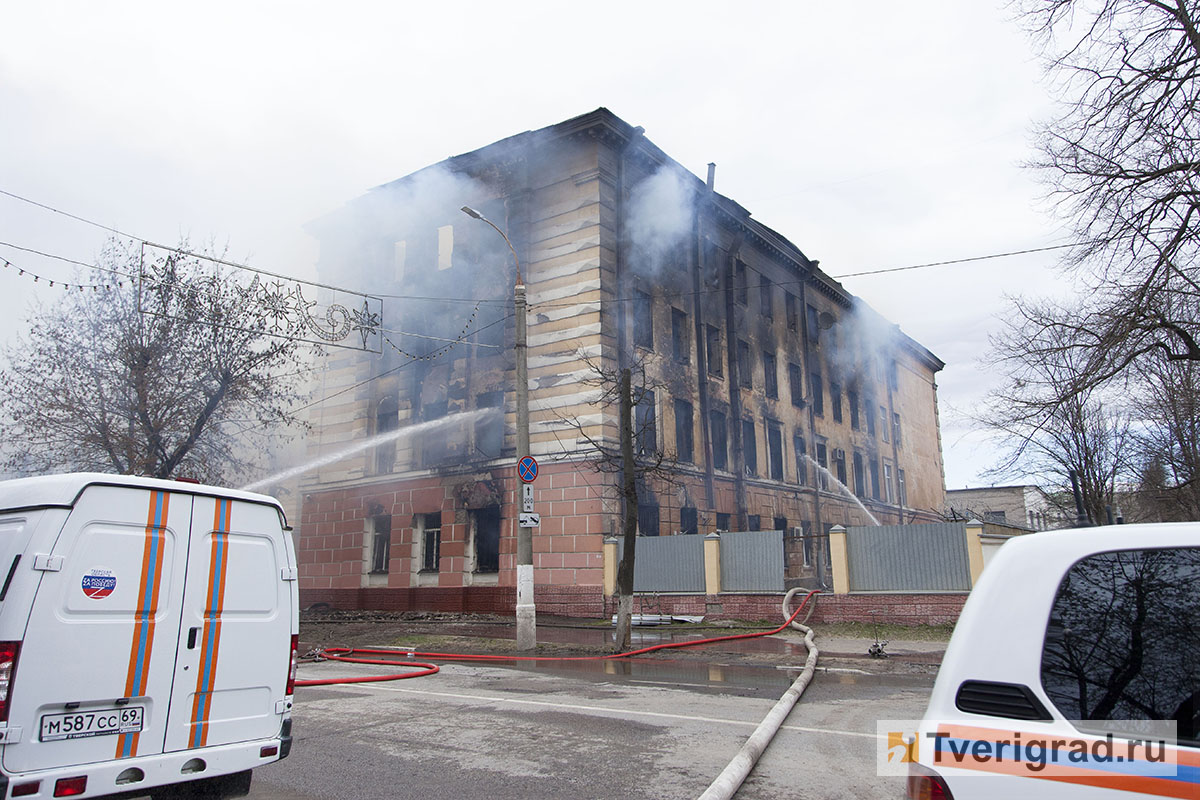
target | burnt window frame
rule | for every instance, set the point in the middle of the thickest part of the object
(835, 400)
(796, 383)
(766, 298)
(719, 439)
(745, 370)
(643, 319)
(685, 448)
(800, 446)
(645, 425)
(817, 393)
(680, 351)
(749, 448)
(713, 351)
(770, 375)
(775, 452)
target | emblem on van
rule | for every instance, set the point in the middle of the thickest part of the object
(99, 583)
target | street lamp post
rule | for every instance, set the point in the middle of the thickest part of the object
(526, 610)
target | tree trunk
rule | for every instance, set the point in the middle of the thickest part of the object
(629, 519)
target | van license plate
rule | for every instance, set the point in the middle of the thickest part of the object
(91, 723)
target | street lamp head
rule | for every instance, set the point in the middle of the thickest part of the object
(470, 212)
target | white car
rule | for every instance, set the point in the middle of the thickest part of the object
(1073, 653)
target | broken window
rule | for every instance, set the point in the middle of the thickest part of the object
(818, 394)
(860, 482)
(839, 465)
(381, 543)
(387, 419)
(806, 532)
(647, 516)
(489, 429)
(723, 521)
(869, 415)
(689, 520)
(743, 355)
(835, 400)
(720, 438)
(643, 319)
(679, 338)
(770, 375)
(800, 446)
(789, 304)
(796, 384)
(487, 538)
(431, 541)
(852, 400)
(645, 431)
(874, 478)
(764, 298)
(683, 431)
(749, 447)
(814, 326)
(775, 450)
(712, 344)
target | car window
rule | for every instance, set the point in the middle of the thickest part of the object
(1123, 641)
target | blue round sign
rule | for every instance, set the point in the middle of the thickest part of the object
(527, 468)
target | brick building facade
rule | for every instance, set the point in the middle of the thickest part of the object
(784, 401)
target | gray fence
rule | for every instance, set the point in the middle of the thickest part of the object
(909, 558)
(668, 564)
(752, 561)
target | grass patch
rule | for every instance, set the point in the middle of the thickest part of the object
(889, 631)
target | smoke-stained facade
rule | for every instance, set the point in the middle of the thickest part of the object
(785, 402)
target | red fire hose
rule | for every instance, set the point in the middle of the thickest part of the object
(352, 655)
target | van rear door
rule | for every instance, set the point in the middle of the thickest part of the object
(234, 646)
(98, 654)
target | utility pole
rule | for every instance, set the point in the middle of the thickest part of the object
(526, 610)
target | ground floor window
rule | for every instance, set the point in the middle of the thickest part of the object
(381, 542)
(487, 538)
(431, 542)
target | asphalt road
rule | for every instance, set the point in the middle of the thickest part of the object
(650, 729)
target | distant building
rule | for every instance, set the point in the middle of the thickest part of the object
(786, 401)
(1021, 506)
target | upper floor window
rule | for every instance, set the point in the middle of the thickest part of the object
(814, 325)
(745, 378)
(835, 401)
(720, 439)
(679, 337)
(643, 319)
(739, 280)
(645, 431)
(683, 431)
(852, 401)
(796, 384)
(818, 394)
(712, 344)
(770, 375)
(789, 305)
(765, 300)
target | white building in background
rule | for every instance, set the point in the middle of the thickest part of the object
(1024, 506)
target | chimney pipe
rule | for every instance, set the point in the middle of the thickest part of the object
(712, 175)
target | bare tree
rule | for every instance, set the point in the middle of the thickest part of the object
(634, 457)
(95, 384)
(1052, 427)
(1123, 163)
(1167, 440)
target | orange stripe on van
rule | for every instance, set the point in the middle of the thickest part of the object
(147, 607)
(211, 638)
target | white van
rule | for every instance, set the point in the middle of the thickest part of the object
(1073, 646)
(148, 634)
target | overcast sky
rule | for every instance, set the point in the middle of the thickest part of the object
(872, 135)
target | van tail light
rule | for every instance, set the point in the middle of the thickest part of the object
(8, 670)
(293, 663)
(925, 784)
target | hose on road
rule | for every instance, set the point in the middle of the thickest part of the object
(354, 655)
(731, 778)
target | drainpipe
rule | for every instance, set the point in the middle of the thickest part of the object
(735, 387)
(805, 365)
(621, 277)
(701, 348)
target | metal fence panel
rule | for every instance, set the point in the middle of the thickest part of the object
(668, 563)
(752, 561)
(899, 558)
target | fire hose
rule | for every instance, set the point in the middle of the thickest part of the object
(353, 655)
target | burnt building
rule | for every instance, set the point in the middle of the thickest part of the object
(785, 402)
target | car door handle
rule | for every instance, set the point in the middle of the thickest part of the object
(192, 634)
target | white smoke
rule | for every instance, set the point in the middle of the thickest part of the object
(659, 220)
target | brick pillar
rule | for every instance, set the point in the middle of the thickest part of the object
(839, 559)
(712, 564)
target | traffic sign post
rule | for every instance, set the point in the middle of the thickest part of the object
(527, 469)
